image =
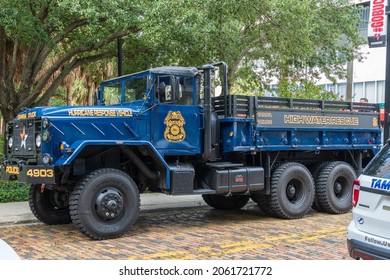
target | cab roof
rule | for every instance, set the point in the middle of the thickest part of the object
(176, 70)
(165, 70)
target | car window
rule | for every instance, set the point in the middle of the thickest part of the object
(380, 165)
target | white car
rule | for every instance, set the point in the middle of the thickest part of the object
(6, 252)
(369, 231)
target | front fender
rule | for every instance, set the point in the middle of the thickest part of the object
(77, 147)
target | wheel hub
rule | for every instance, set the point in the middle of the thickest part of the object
(109, 204)
(59, 200)
(338, 187)
(291, 191)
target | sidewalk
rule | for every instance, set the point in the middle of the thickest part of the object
(19, 212)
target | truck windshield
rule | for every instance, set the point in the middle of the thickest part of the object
(128, 90)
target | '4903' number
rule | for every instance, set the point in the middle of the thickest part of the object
(40, 173)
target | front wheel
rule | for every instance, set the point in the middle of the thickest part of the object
(48, 205)
(105, 204)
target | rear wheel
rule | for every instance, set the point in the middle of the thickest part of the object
(226, 202)
(334, 187)
(315, 172)
(49, 206)
(292, 191)
(105, 204)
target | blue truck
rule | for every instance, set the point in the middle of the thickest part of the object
(178, 131)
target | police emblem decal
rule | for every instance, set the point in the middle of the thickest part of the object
(375, 122)
(174, 132)
(23, 137)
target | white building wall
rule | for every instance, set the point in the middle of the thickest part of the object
(368, 76)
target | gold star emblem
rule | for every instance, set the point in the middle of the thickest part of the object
(23, 136)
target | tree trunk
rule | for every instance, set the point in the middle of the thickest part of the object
(69, 94)
(3, 133)
(91, 89)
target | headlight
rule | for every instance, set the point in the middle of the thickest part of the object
(45, 123)
(38, 141)
(46, 159)
(46, 136)
(10, 142)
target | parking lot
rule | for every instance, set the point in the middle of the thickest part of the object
(195, 233)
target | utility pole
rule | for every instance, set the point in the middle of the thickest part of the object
(349, 81)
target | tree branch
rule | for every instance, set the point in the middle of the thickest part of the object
(29, 71)
(68, 68)
(43, 13)
(2, 52)
(74, 64)
(13, 62)
(69, 55)
(70, 28)
(2, 65)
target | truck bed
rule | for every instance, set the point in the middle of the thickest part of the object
(253, 123)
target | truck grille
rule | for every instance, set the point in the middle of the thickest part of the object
(23, 133)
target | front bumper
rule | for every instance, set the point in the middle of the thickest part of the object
(362, 245)
(32, 174)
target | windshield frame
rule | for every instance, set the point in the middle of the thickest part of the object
(121, 82)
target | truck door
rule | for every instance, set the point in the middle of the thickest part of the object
(178, 121)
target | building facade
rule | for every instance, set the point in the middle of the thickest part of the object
(368, 78)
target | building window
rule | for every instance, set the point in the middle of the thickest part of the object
(364, 13)
(380, 92)
(342, 90)
(357, 91)
(370, 92)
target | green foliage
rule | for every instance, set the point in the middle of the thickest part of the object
(59, 98)
(13, 192)
(42, 41)
(303, 90)
(45, 40)
(247, 83)
(294, 37)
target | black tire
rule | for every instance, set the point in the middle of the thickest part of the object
(315, 172)
(226, 202)
(334, 187)
(105, 204)
(49, 206)
(263, 201)
(292, 191)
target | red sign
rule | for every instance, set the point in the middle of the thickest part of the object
(377, 24)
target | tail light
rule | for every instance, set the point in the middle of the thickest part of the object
(355, 192)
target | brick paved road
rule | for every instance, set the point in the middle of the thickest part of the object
(196, 233)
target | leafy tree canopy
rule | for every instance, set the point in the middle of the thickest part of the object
(274, 37)
(42, 41)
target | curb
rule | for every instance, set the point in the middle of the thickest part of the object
(12, 213)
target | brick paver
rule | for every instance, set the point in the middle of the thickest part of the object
(199, 233)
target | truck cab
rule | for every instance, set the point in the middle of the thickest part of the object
(167, 99)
